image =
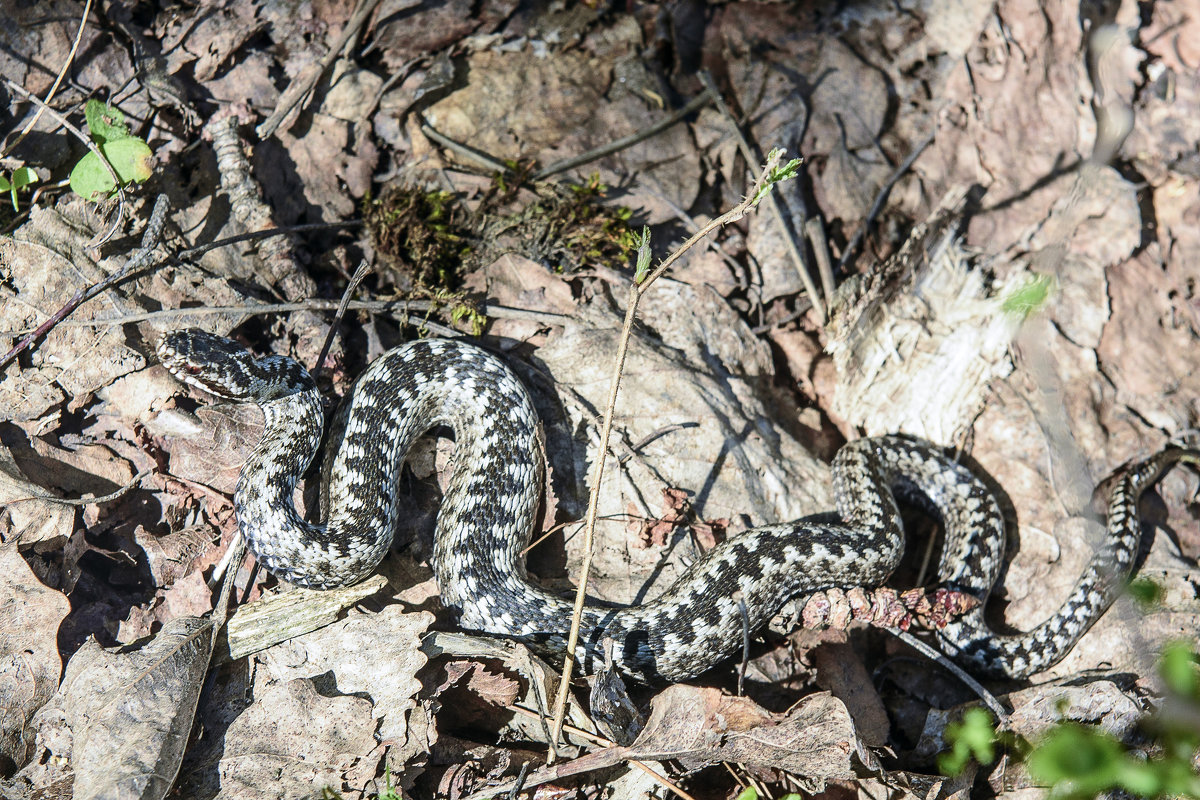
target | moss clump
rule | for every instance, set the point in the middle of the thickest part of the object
(421, 235)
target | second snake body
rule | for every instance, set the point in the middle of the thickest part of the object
(492, 495)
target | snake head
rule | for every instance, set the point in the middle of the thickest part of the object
(213, 363)
(224, 368)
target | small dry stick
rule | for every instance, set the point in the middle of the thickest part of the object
(351, 288)
(395, 307)
(87, 9)
(605, 743)
(698, 102)
(814, 229)
(464, 149)
(882, 196)
(974, 685)
(136, 263)
(85, 501)
(643, 279)
(201, 249)
(87, 140)
(751, 155)
(300, 88)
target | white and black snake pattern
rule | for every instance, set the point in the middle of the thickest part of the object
(493, 491)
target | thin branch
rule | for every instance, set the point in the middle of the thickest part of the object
(636, 292)
(463, 149)
(814, 229)
(602, 742)
(91, 145)
(300, 88)
(62, 73)
(974, 685)
(137, 262)
(86, 501)
(752, 156)
(201, 249)
(697, 102)
(371, 306)
(882, 196)
(361, 272)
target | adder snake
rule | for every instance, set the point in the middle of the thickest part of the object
(492, 495)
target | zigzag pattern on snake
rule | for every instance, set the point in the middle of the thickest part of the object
(492, 495)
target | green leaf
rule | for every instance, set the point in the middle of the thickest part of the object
(1077, 761)
(106, 123)
(973, 737)
(776, 173)
(23, 176)
(749, 793)
(131, 159)
(1146, 593)
(1029, 297)
(1178, 670)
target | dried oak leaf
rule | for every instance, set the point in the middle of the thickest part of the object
(294, 741)
(816, 740)
(29, 662)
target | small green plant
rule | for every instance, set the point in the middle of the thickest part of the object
(19, 179)
(1029, 296)
(131, 158)
(778, 174)
(389, 792)
(643, 256)
(1079, 762)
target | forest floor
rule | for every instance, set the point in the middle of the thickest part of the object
(1007, 200)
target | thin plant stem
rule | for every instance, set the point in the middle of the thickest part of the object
(636, 292)
(62, 73)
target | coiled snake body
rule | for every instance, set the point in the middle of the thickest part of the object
(492, 495)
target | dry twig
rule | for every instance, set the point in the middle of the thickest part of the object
(752, 156)
(137, 262)
(62, 73)
(882, 197)
(638, 290)
(300, 88)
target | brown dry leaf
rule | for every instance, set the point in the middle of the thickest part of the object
(32, 519)
(518, 282)
(40, 272)
(515, 103)
(294, 741)
(207, 37)
(87, 469)
(209, 447)
(171, 556)
(29, 662)
(499, 690)
(815, 741)
(372, 656)
(130, 714)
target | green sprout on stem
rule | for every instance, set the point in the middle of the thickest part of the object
(19, 179)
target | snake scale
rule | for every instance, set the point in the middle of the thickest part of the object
(492, 495)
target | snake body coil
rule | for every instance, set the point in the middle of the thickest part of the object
(489, 505)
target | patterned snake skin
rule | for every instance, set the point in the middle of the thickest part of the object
(495, 482)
